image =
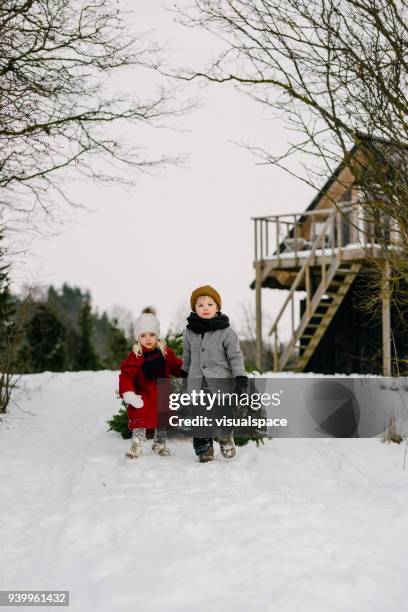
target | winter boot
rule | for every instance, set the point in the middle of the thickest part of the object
(207, 455)
(227, 446)
(159, 443)
(161, 449)
(139, 436)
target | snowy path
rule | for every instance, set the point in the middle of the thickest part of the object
(311, 525)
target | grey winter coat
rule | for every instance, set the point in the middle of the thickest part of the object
(216, 355)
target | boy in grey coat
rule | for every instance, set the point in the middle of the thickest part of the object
(211, 350)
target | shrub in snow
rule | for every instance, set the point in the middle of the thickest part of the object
(391, 434)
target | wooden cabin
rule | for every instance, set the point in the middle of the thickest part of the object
(327, 253)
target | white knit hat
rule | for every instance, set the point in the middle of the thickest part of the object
(147, 322)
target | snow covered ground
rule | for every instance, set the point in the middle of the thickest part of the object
(298, 524)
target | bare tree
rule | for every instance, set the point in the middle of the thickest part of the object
(13, 320)
(58, 99)
(247, 334)
(337, 72)
(179, 317)
(12, 335)
(335, 69)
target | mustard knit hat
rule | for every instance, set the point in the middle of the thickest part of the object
(205, 290)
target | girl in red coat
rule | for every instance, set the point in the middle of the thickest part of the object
(149, 360)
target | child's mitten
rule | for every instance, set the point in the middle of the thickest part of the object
(240, 385)
(241, 389)
(130, 397)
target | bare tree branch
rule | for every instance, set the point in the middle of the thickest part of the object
(58, 59)
(337, 73)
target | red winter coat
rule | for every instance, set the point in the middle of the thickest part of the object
(133, 378)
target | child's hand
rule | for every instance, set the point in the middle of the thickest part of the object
(241, 389)
(240, 385)
(130, 397)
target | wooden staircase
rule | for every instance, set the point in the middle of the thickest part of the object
(315, 325)
(336, 278)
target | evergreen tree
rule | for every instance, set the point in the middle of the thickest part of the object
(101, 331)
(119, 423)
(118, 346)
(7, 335)
(86, 357)
(67, 303)
(90, 340)
(6, 308)
(45, 339)
(175, 341)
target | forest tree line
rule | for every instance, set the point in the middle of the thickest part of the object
(59, 331)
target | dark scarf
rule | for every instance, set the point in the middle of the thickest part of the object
(200, 326)
(154, 364)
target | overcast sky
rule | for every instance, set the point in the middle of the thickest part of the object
(153, 243)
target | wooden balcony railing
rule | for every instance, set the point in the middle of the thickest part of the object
(276, 235)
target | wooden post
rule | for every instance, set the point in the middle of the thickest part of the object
(295, 236)
(275, 352)
(292, 315)
(308, 292)
(258, 311)
(267, 237)
(340, 231)
(386, 322)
